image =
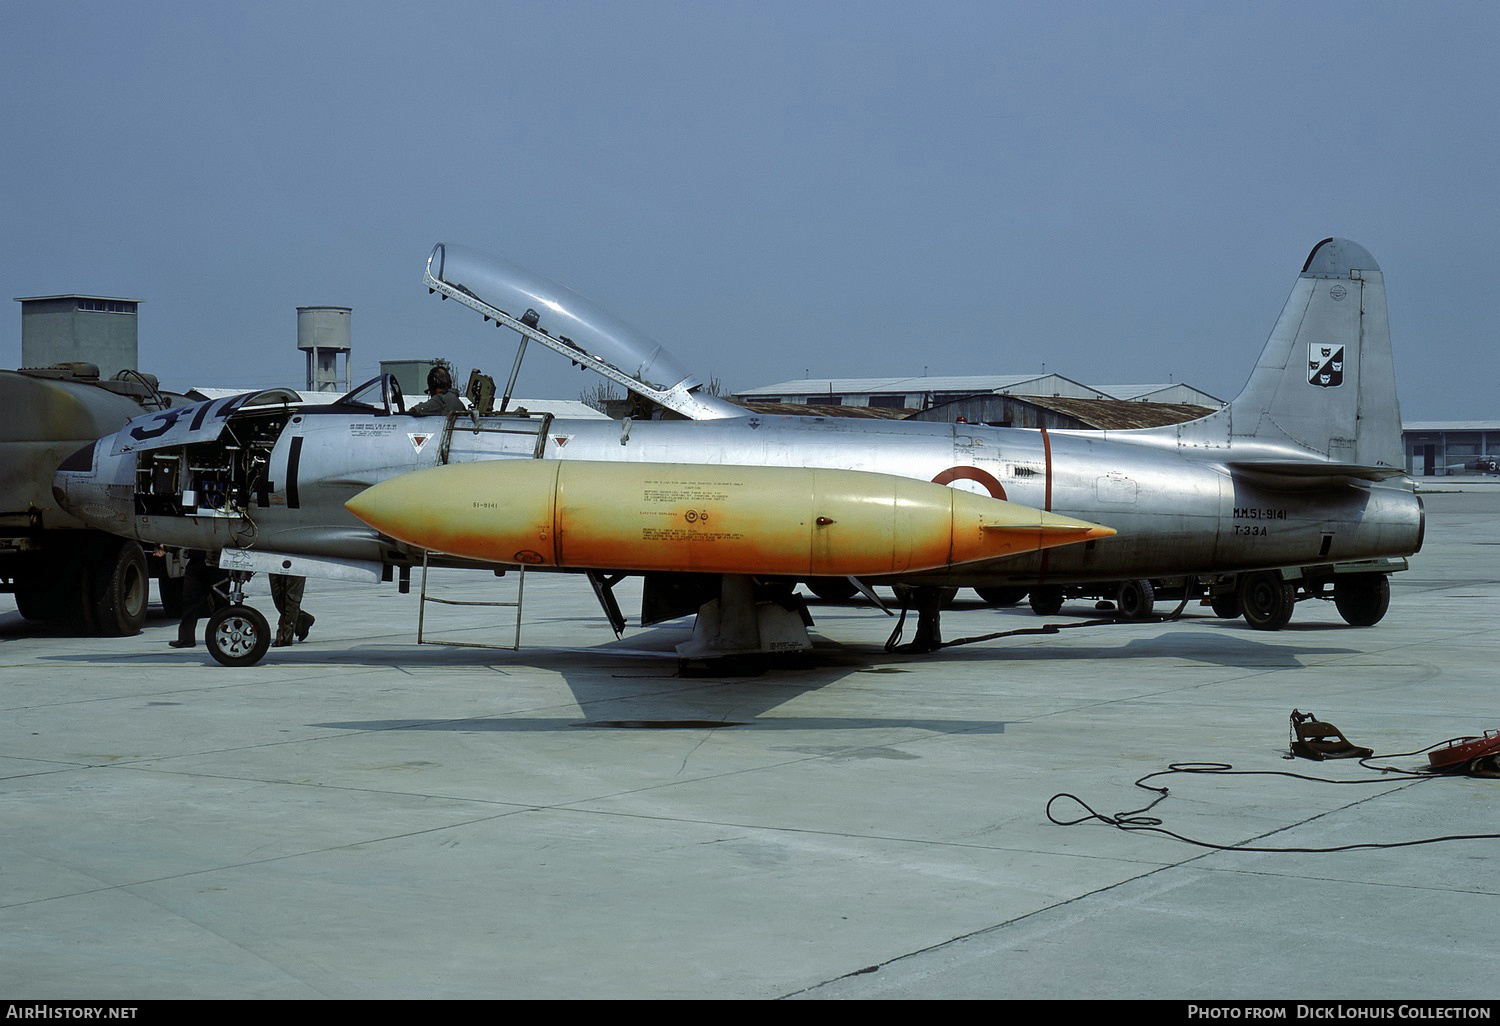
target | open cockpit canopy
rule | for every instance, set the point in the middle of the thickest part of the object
(544, 311)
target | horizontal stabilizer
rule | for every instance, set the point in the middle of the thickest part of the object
(1295, 475)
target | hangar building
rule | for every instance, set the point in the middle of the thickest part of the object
(1442, 447)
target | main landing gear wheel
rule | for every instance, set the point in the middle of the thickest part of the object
(237, 636)
(1363, 600)
(1268, 600)
(1046, 601)
(1136, 599)
(832, 589)
(1226, 606)
(1001, 596)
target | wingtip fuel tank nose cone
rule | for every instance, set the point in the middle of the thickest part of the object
(395, 507)
(499, 510)
(389, 506)
(363, 506)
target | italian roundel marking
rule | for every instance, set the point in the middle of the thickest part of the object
(983, 478)
(1325, 365)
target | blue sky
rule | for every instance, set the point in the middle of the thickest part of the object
(1119, 192)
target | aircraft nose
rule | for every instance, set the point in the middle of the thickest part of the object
(77, 487)
(80, 461)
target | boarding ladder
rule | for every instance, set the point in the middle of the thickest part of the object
(475, 427)
(423, 598)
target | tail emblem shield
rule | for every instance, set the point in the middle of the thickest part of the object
(1325, 365)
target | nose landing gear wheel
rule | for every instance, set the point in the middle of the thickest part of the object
(237, 636)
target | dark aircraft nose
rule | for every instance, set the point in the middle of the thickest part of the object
(71, 484)
(80, 461)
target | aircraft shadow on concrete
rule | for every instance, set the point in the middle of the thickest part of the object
(665, 700)
(649, 654)
(636, 684)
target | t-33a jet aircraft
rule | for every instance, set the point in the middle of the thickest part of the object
(1294, 490)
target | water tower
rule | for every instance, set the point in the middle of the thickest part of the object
(323, 333)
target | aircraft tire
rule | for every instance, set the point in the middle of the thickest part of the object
(1227, 606)
(1267, 600)
(1362, 600)
(946, 597)
(1136, 599)
(237, 636)
(1046, 601)
(832, 589)
(120, 587)
(1001, 596)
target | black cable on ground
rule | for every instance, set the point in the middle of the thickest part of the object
(1054, 628)
(1134, 820)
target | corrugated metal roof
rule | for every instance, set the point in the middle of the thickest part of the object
(821, 410)
(78, 295)
(1450, 425)
(946, 383)
(1136, 391)
(1118, 414)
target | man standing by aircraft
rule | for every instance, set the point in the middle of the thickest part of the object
(286, 593)
(444, 400)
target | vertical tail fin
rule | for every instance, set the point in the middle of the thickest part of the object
(1325, 384)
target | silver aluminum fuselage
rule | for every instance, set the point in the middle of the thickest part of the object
(1178, 510)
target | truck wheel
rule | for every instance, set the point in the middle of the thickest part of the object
(1268, 600)
(1362, 600)
(237, 636)
(1001, 596)
(120, 586)
(1046, 601)
(1136, 599)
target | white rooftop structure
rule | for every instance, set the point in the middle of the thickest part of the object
(1162, 392)
(925, 391)
(917, 392)
(1450, 425)
(568, 409)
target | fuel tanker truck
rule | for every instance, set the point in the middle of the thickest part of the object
(60, 570)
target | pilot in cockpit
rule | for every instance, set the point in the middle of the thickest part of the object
(444, 400)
